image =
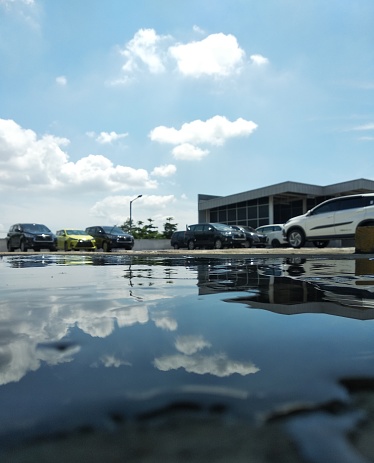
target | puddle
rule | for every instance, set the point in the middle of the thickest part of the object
(91, 342)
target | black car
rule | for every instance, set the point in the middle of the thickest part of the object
(178, 240)
(110, 237)
(254, 239)
(30, 236)
(214, 235)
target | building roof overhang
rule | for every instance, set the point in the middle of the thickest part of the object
(288, 191)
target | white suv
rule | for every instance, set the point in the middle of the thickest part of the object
(336, 218)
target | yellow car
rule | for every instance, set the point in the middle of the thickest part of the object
(70, 239)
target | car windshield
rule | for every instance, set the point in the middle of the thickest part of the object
(114, 230)
(222, 227)
(76, 232)
(35, 228)
(247, 228)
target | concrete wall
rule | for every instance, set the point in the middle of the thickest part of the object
(151, 245)
(140, 245)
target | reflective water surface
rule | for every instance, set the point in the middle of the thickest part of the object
(86, 341)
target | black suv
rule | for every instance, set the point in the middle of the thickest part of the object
(110, 237)
(253, 238)
(213, 235)
(178, 240)
(30, 236)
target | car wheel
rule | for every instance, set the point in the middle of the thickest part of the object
(191, 245)
(66, 247)
(218, 244)
(9, 247)
(320, 243)
(296, 238)
(176, 246)
(248, 244)
(23, 246)
(106, 247)
(275, 243)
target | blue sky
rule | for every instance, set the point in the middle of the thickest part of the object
(101, 101)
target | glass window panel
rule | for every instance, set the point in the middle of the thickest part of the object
(222, 216)
(232, 215)
(214, 216)
(263, 211)
(242, 213)
(252, 213)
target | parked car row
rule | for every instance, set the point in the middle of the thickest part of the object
(36, 236)
(218, 235)
(336, 218)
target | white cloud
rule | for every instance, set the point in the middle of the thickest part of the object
(217, 54)
(25, 11)
(109, 137)
(165, 323)
(364, 127)
(61, 80)
(259, 60)
(217, 365)
(214, 131)
(112, 361)
(189, 345)
(9, 3)
(130, 316)
(27, 342)
(197, 29)
(189, 152)
(144, 49)
(28, 161)
(192, 361)
(119, 82)
(164, 171)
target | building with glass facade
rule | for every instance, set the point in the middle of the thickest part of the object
(275, 203)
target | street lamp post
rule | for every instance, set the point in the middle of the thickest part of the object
(139, 196)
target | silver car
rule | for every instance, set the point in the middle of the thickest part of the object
(274, 233)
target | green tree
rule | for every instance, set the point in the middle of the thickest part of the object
(126, 226)
(169, 228)
(149, 231)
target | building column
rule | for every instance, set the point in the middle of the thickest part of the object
(271, 209)
(305, 205)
